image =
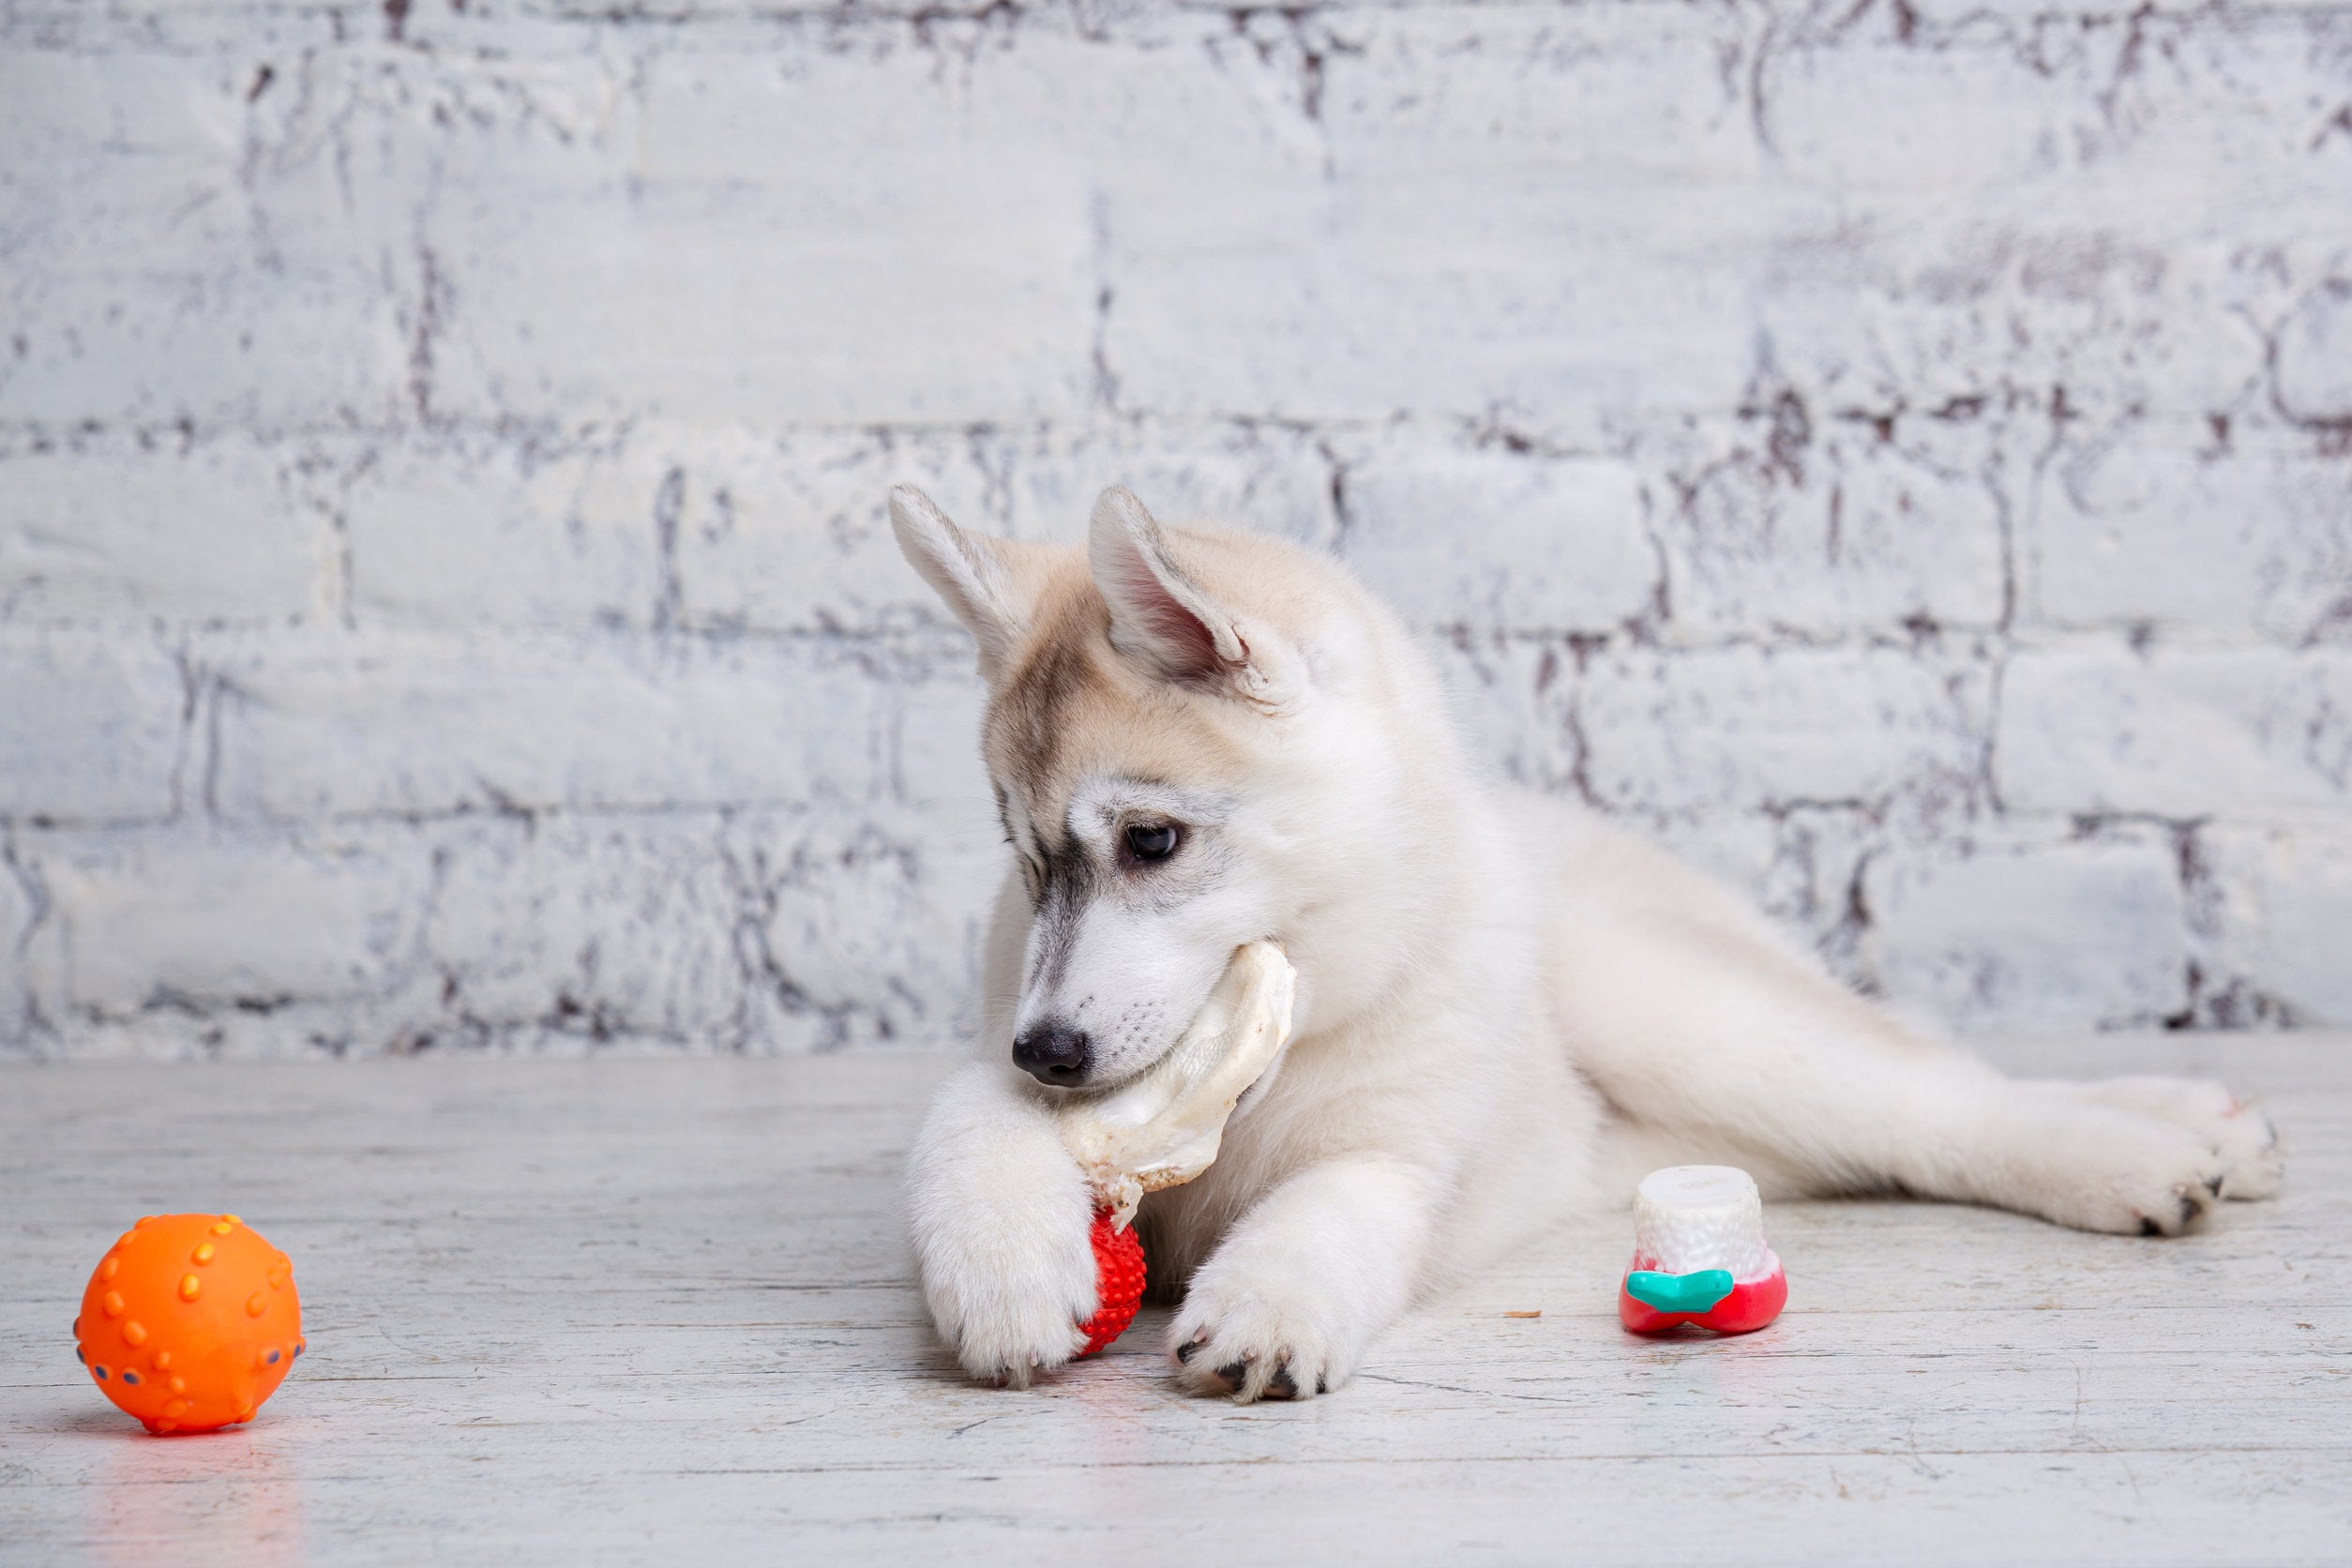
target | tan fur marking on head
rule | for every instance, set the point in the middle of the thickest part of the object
(1031, 712)
(1069, 704)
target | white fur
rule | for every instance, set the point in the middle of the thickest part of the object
(1508, 1009)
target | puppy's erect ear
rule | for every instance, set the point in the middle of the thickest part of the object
(1164, 621)
(978, 576)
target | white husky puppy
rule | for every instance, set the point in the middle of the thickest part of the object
(1507, 1007)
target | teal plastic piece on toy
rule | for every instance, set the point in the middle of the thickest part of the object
(1678, 1292)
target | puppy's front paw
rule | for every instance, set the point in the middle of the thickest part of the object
(2133, 1174)
(1000, 1214)
(2240, 1132)
(1259, 1339)
(1009, 1302)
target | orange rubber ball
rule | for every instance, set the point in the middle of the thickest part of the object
(189, 1322)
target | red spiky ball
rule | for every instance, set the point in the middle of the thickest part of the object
(1118, 1282)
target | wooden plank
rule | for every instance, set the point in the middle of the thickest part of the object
(649, 1309)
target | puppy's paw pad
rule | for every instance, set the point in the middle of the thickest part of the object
(2249, 1144)
(2103, 1168)
(1009, 1355)
(1246, 1380)
(1010, 1313)
(2240, 1133)
(2180, 1213)
(1251, 1347)
(2164, 1182)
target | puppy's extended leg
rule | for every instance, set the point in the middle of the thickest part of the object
(1000, 1214)
(1717, 1043)
(1284, 1308)
(2248, 1144)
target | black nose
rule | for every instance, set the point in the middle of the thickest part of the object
(1055, 1053)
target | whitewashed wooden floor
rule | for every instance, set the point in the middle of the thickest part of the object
(659, 1311)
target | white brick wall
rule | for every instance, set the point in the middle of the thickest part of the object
(2033, 928)
(1901, 454)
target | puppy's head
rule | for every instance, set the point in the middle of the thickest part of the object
(1169, 738)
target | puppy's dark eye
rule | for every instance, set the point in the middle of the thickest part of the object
(1153, 841)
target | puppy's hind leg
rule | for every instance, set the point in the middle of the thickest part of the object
(2249, 1144)
(1717, 1048)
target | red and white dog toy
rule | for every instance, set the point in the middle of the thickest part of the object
(1699, 1257)
(1164, 1128)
